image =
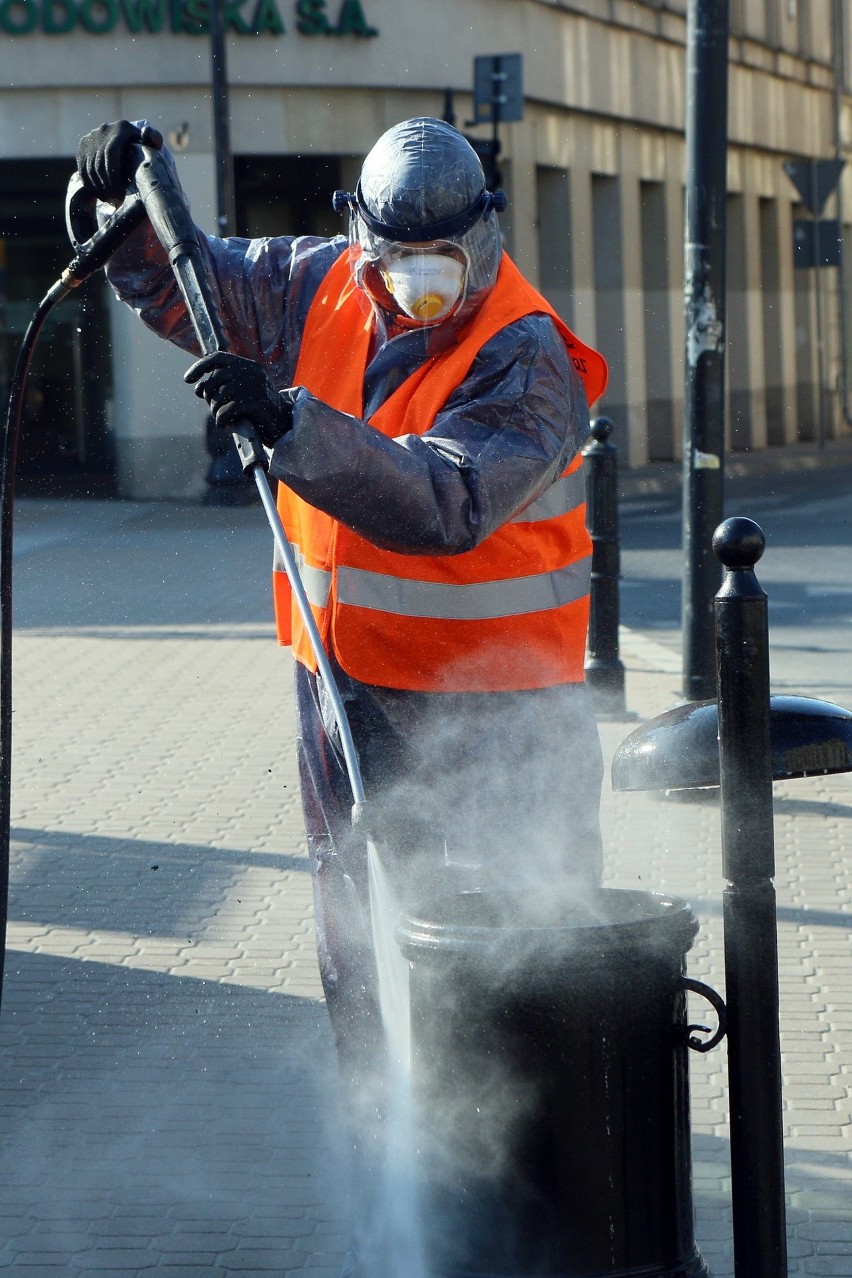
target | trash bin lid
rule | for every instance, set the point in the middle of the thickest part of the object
(506, 926)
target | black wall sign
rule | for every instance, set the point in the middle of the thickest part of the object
(816, 244)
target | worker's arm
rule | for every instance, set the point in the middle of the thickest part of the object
(261, 288)
(505, 435)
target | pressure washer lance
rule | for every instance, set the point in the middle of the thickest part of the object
(166, 207)
(169, 216)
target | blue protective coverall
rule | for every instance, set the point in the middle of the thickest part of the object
(487, 787)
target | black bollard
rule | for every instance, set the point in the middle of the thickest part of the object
(751, 948)
(604, 667)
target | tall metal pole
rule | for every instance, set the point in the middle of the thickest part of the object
(751, 943)
(839, 59)
(704, 408)
(225, 209)
(820, 334)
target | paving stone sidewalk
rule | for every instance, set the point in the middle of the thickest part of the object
(167, 1099)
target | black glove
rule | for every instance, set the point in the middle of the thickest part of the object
(103, 157)
(239, 389)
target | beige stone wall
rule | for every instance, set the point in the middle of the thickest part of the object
(781, 107)
(595, 173)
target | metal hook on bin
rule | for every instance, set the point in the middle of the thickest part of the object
(700, 1044)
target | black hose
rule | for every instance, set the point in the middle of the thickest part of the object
(91, 255)
(8, 462)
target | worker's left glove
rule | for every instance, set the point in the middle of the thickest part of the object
(239, 389)
(104, 157)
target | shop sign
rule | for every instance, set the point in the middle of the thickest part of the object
(185, 17)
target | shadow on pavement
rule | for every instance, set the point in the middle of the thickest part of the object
(144, 887)
(174, 1122)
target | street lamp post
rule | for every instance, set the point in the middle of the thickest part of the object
(704, 409)
(225, 210)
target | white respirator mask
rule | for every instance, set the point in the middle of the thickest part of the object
(418, 275)
(425, 286)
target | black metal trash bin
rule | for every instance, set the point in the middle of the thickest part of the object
(550, 1087)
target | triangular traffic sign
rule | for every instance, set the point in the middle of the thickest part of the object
(814, 180)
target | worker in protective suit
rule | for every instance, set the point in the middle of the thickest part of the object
(423, 408)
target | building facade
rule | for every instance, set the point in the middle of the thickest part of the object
(594, 172)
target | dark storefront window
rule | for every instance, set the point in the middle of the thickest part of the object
(65, 445)
(287, 194)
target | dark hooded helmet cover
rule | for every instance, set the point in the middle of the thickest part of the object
(421, 176)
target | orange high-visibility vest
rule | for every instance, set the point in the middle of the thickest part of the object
(513, 612)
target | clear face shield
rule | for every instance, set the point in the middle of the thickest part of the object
(420, 284)
(420, 276)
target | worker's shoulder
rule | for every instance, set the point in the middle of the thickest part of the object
(532, 339)
(295, 254)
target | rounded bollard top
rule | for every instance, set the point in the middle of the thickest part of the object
(598, 444)
(600, 429)
(739, 542)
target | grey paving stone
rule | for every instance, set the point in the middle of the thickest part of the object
(166, 1063)
(189, 1270)
(118, 1260)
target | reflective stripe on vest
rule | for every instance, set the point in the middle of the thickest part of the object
(560, 498)
(317, 581)
(509, 614)
(563, 496)
(480, 601)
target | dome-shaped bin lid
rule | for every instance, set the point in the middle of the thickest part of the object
(679, 750)
(507, 928)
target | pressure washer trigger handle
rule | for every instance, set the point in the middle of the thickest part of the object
(80, 219)
(95, 245)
